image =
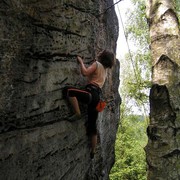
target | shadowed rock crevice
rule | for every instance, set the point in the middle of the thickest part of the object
(163, 133)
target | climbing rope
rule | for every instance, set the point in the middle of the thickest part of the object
(109, 8)
(131, 59)
(129, 51)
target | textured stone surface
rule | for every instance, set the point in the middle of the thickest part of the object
(39, 43)
(163, 148)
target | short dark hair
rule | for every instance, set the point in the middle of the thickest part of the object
(106, 58)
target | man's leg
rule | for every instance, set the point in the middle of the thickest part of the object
(75, 95)
(93, 144)
(92, 129)
(74, 102)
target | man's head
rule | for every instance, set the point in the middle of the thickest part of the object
(106, 58)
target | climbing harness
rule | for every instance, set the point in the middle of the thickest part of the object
(102, 103)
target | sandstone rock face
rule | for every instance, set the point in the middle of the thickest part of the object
(39, 44)
(163, 148)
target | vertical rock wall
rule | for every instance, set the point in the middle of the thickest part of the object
(39, 43)
(163, 148)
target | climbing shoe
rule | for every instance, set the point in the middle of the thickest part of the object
(74, 117)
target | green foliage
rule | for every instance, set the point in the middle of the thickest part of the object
(130, 156)
(130, 161)
(136, 79)
(137, 67)
(137, 27)
(177, 8)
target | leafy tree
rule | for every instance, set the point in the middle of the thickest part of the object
(130, 156)
(134, 90)
(137, 31)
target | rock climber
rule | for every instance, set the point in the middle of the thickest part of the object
(96, 75)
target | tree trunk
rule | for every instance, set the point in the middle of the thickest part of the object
(163, 148)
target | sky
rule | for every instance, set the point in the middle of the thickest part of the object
(121, 9)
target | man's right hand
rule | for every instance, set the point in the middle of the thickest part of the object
(79, 59)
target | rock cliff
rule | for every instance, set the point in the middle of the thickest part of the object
(163, 148)
(39, 43)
